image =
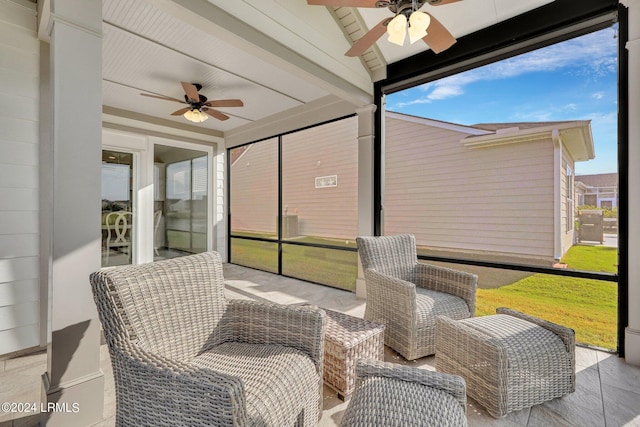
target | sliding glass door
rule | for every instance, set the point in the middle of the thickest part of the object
(156, 200)
(180, 201)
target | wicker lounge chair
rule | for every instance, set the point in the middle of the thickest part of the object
(395, 395)
(406, 296)
(184, 355)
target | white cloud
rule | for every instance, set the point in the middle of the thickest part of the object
(592, 54)
(598, 95)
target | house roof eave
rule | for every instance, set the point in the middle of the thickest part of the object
(576, 135)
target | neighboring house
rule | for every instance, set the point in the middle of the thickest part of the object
(524, 207)
(509, 192)
(599, 190)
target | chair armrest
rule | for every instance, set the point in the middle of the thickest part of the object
(390, 299)
(300, 327)
(388, 286)
(454, 282)
(449, 383)
(154, 390)
(567, 335)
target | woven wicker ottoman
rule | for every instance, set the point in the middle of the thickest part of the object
(348, 339)
(509, 360)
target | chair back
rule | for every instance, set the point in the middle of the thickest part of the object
(169, 307)
(118, 228)
(392, 255)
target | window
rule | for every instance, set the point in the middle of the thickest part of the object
(569, 194)
(117, 208)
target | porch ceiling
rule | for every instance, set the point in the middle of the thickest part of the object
(277, 56)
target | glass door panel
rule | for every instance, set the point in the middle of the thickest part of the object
(180, 201)
(117, 208)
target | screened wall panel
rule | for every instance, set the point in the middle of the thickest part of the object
(320, 181)
(254, 189)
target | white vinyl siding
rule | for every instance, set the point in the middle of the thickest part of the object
(19, 93)
(497, 199)
(254, 189)
(322, 151)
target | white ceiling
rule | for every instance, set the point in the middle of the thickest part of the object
(274, 55)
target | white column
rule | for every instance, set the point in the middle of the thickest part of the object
(366, 136)
(632, 332)
(73, 385)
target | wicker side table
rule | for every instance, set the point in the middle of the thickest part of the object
(348, 339)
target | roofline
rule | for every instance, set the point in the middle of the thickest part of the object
(516, 135)
(439, 124)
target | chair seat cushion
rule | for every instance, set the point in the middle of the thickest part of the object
(430, 304)
(280, 382)
(380, 401)
(528, 347)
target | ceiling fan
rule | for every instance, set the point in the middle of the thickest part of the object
(198, 104)
(407, 18)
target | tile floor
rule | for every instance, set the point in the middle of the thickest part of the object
(607, 391)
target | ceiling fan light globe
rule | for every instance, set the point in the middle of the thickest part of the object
(195, 116)
(418, 24)
(397, 30)
(416, 34)
(202, 116)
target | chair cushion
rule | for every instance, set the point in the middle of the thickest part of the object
(280, 382)
(433, 303)
(524, 341)
(380, 401)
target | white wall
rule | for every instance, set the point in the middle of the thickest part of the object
(19, 88)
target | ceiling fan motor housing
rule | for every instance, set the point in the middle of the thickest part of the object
(196, 105)
(404, 6)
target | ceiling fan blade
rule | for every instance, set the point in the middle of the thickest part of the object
(438, 37)
(181, 111)
(191, 91)
(166, 98)
(441, 2)
(215, 113)
(345, 3)
(368, 39)
(225, 103)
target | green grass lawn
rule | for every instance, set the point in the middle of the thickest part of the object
(585, 305)
(331, 267)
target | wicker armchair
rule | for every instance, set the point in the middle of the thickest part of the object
(406, 296)
(395, 395)
(184, 355)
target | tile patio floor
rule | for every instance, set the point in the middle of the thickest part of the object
(607, 389)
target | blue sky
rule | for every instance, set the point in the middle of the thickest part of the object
(572, 80)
